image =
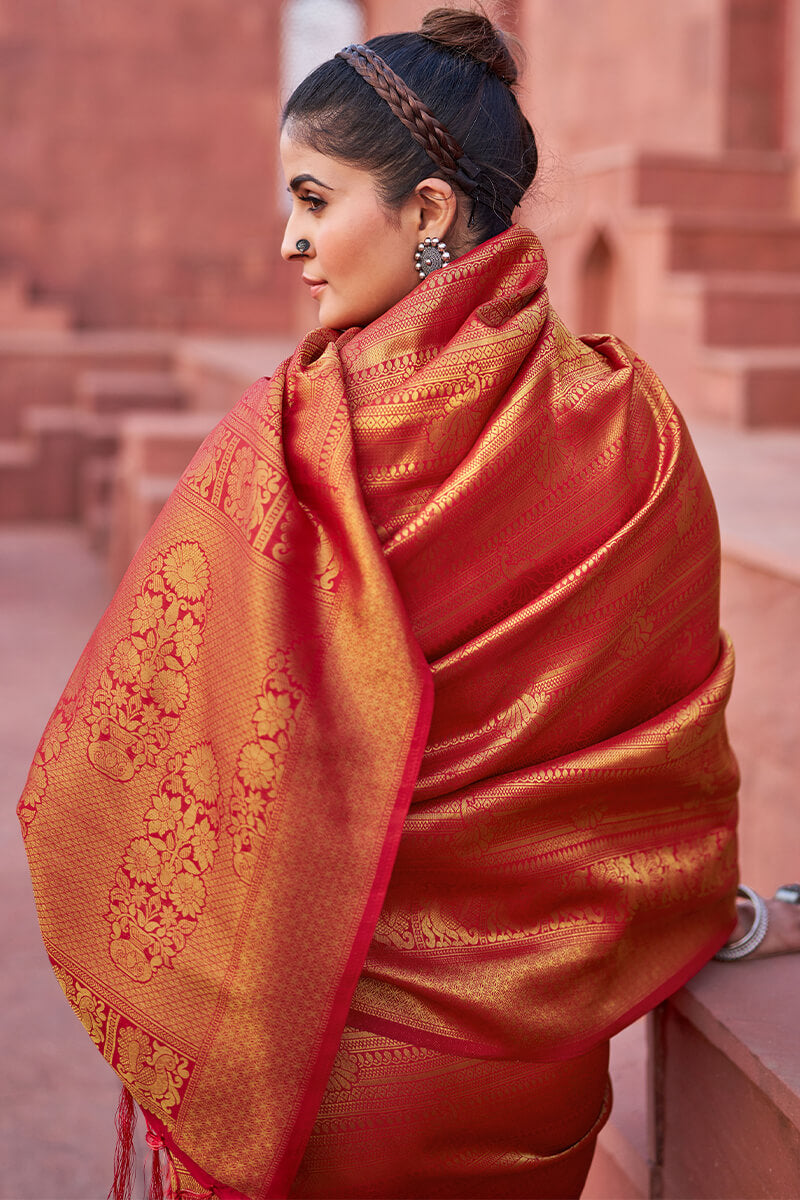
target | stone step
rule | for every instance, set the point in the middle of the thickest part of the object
(43, 366)
(735, 183)
(751, 387)
(96, 490)
(726, 1062)
(155, 449)
(123, 348)
(732, 242)
(56, 436)
(708, 1106)
(35, 317)
(16, 454)
(162, 443)
(13, 291)
(131, 522)
(39, 469)
(17, 466)
(755, 479)
(112, 392)
(123, 451)
(762, 311)
(217, 370)
(741, 308)
(624, 177)
(19, 311)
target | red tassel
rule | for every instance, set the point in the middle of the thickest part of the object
(156, 1178)
(156, 1143)
(124, 1160)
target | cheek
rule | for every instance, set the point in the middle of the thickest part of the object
(386, 263)
(369, 263)
(381, 242)
(349, 253)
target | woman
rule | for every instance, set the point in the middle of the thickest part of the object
(452, 558)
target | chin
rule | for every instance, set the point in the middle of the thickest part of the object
(337, 318)
(331, 319)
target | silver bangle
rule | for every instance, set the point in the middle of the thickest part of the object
(756, 933)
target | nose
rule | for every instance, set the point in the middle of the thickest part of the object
(291, 236)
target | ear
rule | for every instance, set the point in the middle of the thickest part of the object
(435, 206)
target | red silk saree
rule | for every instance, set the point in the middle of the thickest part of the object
(407, 716)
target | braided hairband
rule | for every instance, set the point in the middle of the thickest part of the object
(438, 143)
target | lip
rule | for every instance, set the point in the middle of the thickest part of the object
(316, 285)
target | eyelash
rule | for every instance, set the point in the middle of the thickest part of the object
(315, 203)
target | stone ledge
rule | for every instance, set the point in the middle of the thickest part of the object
(725, 1061)
(247, 359)
(708, 1106)
(755, 479)
(625, 154)
(749, 1011)
(111, 342)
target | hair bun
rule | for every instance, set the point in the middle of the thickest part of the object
(471, 33)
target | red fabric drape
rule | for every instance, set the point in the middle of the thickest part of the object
(459, 560)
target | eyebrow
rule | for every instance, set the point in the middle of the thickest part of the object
(301, 179)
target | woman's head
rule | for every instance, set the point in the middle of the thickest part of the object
(432, 116)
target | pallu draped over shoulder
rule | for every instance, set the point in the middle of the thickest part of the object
(407, 716)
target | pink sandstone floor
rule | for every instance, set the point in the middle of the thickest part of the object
(57, 1096)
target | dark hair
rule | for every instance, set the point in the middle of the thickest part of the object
(462, 69)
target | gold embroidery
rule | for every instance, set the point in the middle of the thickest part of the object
(261, 763)
(637, 634)
(526, 709)
(91, 1011)
(231, 474)
(329, 569)
(183, 1183)
(252, 487)
(51, 745)
(159, 892)
(143, 690)
(202, 470)
(688, 507)
(154, 1073)
(553, 456)
(438, 928)
(459, 418)
(344, 1072)
(394, 929)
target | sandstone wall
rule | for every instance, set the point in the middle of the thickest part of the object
(138, 175)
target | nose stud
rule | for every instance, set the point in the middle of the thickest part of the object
(303, 245)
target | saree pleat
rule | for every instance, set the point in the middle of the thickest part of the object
(400, 1120)
(408, 716)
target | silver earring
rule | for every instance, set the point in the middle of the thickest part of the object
(303, 245)
(431, 255)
